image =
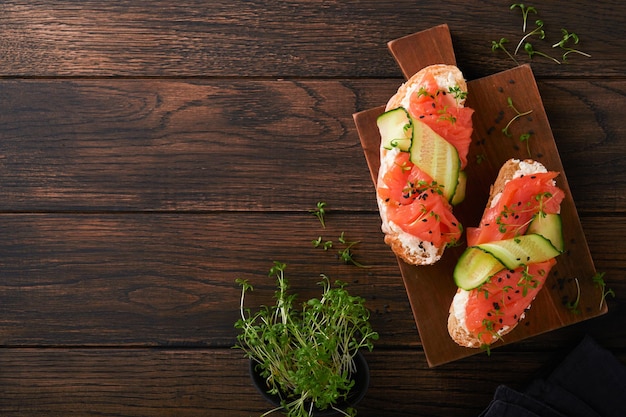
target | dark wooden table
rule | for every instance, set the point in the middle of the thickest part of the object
(153, 152)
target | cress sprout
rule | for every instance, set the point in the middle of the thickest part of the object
(320, 212)
(306, 351)
(536, 31)
(598, 280)
(518, 114)
(345, 252)
(525, 10)
(532, 52)
(567, 36)
(573, 305)
(500, 45)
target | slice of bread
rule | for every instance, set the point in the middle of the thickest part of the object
(406, 246)
(445, 75)
(513, 168)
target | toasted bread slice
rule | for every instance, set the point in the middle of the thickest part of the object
(445, 75)
(408, 247)
(513, 168)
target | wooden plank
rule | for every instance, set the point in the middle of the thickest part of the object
(226, 39)
(200, 382)
(150, 144)
(161, 279)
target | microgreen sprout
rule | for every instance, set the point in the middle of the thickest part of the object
(500, 45)
(445, 115)
(539, 32)
(320, 212)
(346, 254)
(306, 353)
(525, 10)
(598, 280)
(413, 190)
(536, 31)
(573, 305)
(518, 114)
(490, 330)
(526, 281)
(457, 93)
(422, 92)
(525, 138)
(532, 52)
(324, 244)
(529, 210)
(567, 36)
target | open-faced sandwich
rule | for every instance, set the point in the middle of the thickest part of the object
(509, 255)
(425, 137)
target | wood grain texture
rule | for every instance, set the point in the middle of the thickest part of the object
(169, 279)
(176, 144)
(152, 152)
(283, 39)
(418, 50)
(192, 382)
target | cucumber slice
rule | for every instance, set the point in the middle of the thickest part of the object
(521, 250)
(459, 193)
(549, 226)
(396, 129)
(435, 156)
(474, 267)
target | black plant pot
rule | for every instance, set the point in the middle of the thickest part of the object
(361, 383)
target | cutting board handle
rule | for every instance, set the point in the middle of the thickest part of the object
(418, 50)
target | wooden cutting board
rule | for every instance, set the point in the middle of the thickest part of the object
(431, 288)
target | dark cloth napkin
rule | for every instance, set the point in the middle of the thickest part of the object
(590, 382)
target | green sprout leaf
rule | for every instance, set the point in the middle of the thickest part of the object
(532, 52)
(573, 305)
(500, 45)
(598, 280)
(306, 353)
(524, 138)
(567, 36)
(518, 114)
(320, 212)
(537, 31)
(346, 254)
(525, 10)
